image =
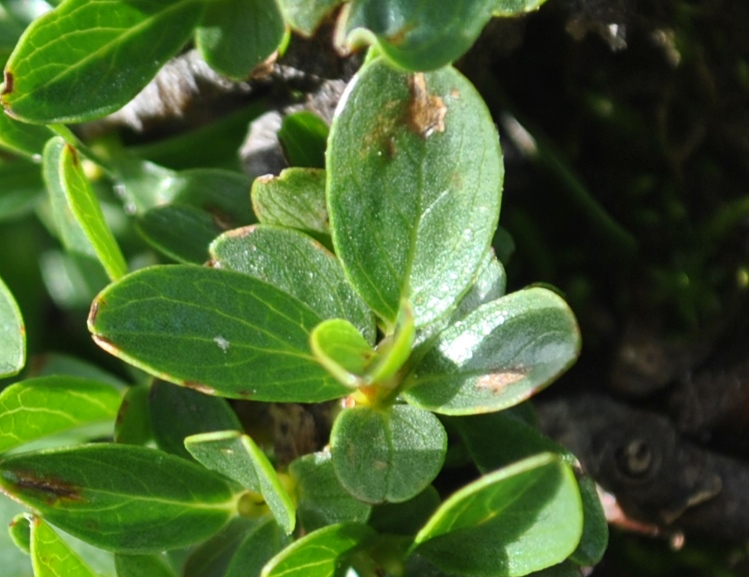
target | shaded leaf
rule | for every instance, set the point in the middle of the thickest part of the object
(217, 331)
(595, 537)
(515, 7)
(23, 139)
(499, 355)
(88, 58)
(303, 137)
(317, 554)
(120, 498)
(321, 499)
(237, 35)
(20, 532)
(153, 565)
(299, 266)
(405, 223)
(133, 425)
(12, 334)
(387, 454)
(58, 364)
(177, 412)
(44, 406)
(305, 16)
(419, 35)
(408, 517)
(22, 189)
(236, 456)
(517, 520)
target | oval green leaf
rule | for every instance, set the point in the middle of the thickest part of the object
(419, 35)
(595, 537)
(321, 499)
(217, 331)
(65, 179)
(37, 408)
(176, 413)
(295, 199)
(387, 454)
(407, 223)
(20, 532)
(241, 549)
(153, 565)
(236, 456)
(237, 35)
(342, 350)
(53, 557)
(499, 355)
(303, 137)
(517, 520)
(121, 498)
(87, 58)
(12, 334)
(317, 554)
(299, 266)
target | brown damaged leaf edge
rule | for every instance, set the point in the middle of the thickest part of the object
(73, 153)
(426, 112)
(8, 79)
(200, 387)
(51, 488)
(93, 312)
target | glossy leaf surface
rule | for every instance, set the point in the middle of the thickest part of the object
(420, 35)
(12, 334)
(142, 565)
(305, 16)
(64, 174)
(44, 406)
(387, 455)
(517, 520)
(298, 265)
(321, 499)
(217, 331)
(120, 498)
(53, 557)
(342, 350)
(406, 223)
(178, 412)
(237, 35)
(317, 554)
(242, 548)
(499, 355)
(238, 457)
(295, 199)
(88, 58)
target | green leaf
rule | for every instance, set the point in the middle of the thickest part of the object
(133, 426)
(519, 440)
(342, 350)
(177, 412)
(44, 406)
(53, 557)
(120, 498)
(299, 266)
(72, 279)
(65, 179)
(516, 7)
(179, 231)
(499, 355)
(405, 518)
(394, 349)
(241, 549)
(517, 520)
(236, 456)
(153, 565)
(407, 224)
(217, 331)
(419, 35)
(318, 553)
(57, 364)
(22, 189)
(564, 569)
(20, 532)
(595, 537)
(23, 139)
(295, 199)
(387, 454)
(237, 35)
(305, 16)
(12, 334)
(88, 58)
(303, 137)
(321, 499)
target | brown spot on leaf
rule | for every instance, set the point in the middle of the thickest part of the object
(426, 112)
(93, 312)
(200, 387)
(51, 489)
(8, 83)
(496, 383)
(73, 153)
(455, 94)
